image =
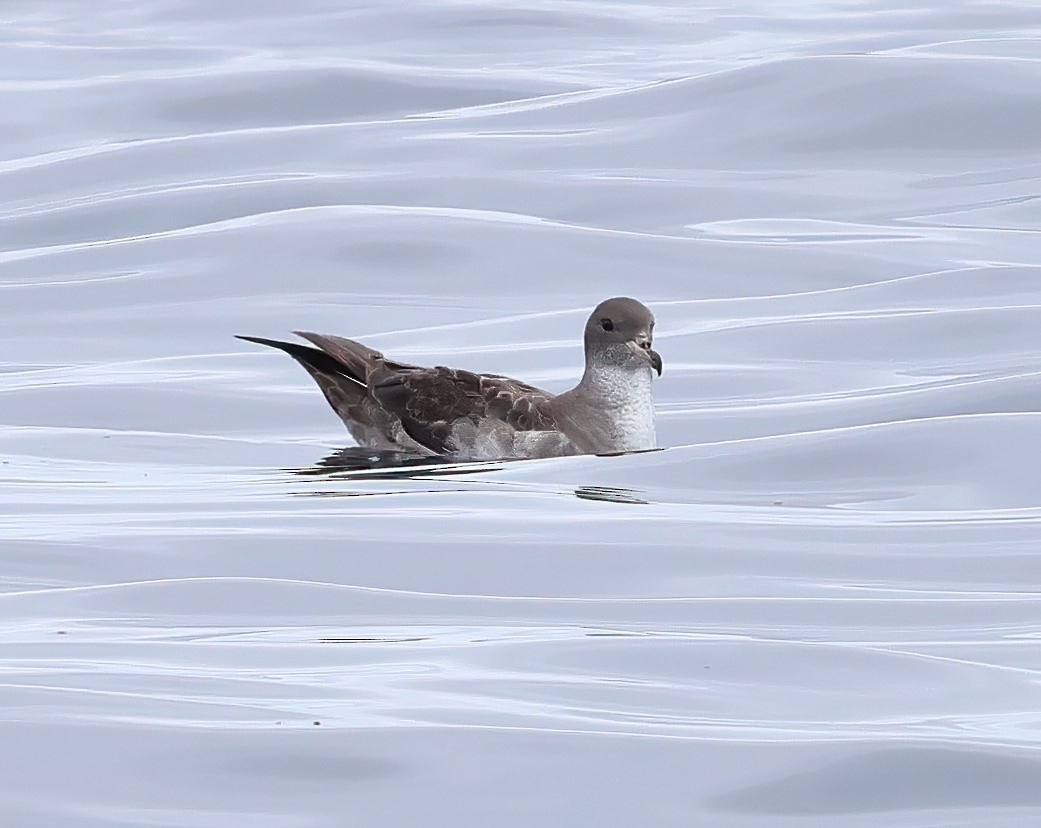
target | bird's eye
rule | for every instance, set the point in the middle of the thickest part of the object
(607, 324)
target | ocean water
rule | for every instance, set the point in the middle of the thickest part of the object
(819, 604)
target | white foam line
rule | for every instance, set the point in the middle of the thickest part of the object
(912, 591)
(964, 662)
(254, 65)
(856, 395)
(84, 280)
(264, 218)
(969, 268)
(684, 729)
(841, 316)
(96, 199)
(520, 104)
(177, 698)
(820, 432)
(406, 593)
(920, 50)
(19, 430)
(932, 232)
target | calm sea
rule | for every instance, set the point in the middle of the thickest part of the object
(820, 605)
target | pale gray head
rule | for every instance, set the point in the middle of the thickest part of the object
(619, 332)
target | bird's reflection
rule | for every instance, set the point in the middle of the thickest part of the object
(357, 463)
(610, 494)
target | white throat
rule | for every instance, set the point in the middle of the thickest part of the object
(624, 394)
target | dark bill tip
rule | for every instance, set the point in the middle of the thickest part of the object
(655, 361)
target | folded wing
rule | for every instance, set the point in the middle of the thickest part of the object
(450, 411)
(438, 410)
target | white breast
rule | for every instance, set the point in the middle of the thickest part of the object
(629, 409)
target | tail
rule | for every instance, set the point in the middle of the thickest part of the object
(315, 361)
(341, 368)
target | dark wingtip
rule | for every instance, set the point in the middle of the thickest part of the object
(259, 340)
(312, 359)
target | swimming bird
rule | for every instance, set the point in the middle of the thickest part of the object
(387, 404)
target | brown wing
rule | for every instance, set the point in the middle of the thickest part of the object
(433, 403)
(445, 411)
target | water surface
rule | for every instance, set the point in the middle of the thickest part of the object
(820, 603)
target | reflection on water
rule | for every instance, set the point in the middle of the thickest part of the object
(361, 459)
(356, 463)
(609, 494)
(374, 639)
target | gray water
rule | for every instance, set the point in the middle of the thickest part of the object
(820, 604)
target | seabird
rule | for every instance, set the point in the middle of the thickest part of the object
(465, 416)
